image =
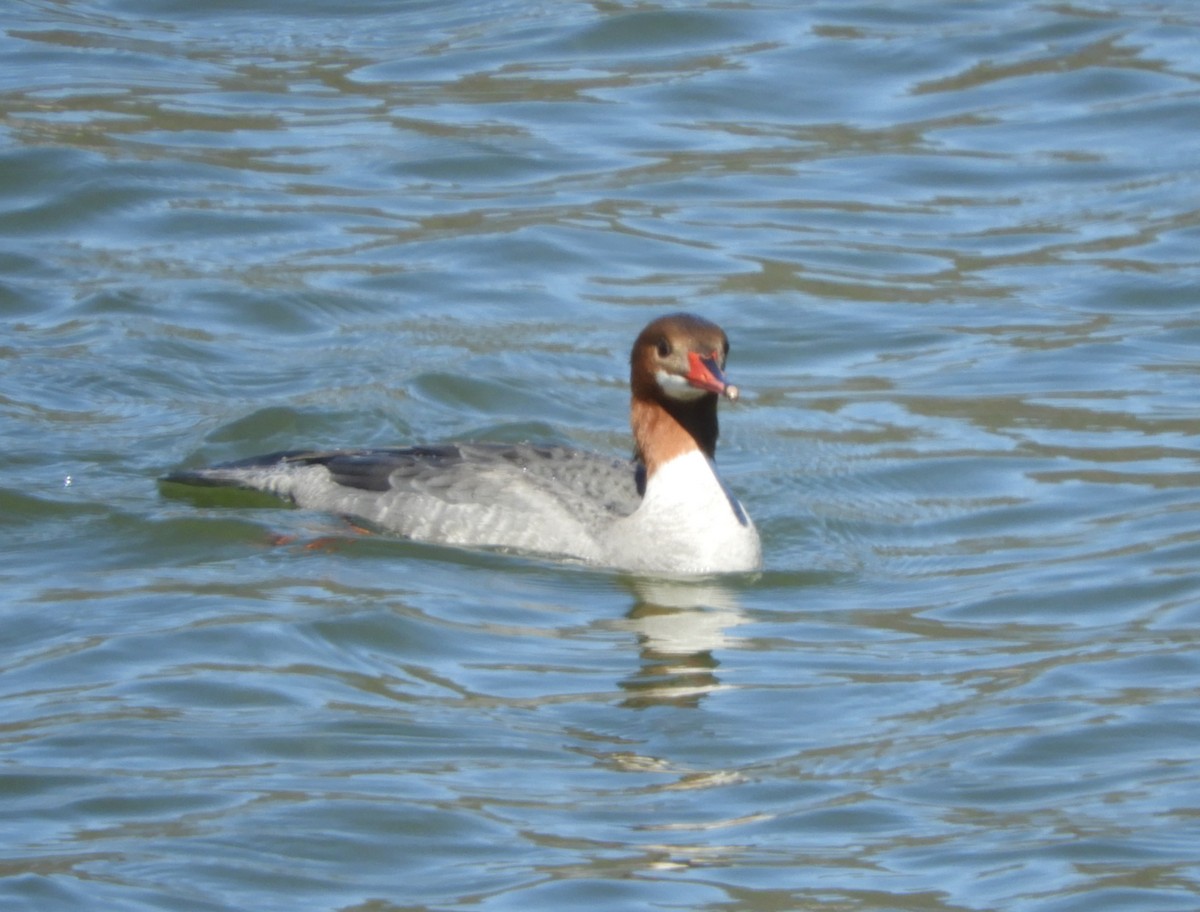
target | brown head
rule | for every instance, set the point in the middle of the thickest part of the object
(677, 372)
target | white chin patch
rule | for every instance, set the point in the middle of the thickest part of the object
(677, 387)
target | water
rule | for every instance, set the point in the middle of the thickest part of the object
(954, 246)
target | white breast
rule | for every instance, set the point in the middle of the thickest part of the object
(688, 523)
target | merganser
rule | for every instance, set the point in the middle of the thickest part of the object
(664, 512)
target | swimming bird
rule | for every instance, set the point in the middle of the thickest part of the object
(666, 511)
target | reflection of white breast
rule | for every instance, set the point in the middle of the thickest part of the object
(678, 617)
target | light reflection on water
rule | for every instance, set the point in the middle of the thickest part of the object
(954, 249)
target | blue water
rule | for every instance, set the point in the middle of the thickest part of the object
(955, 249)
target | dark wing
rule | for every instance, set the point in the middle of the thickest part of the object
(612, 484)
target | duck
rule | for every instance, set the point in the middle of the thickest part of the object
(664, 512)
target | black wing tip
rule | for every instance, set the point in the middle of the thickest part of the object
(192, 478)
(211, 475)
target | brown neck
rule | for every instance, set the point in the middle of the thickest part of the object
(666, 428)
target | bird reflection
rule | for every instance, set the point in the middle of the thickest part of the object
(679, 626)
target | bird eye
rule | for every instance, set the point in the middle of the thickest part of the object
(664, 348)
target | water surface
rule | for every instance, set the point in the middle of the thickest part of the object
(954, 246)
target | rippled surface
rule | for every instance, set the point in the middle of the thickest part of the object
(955, 246)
